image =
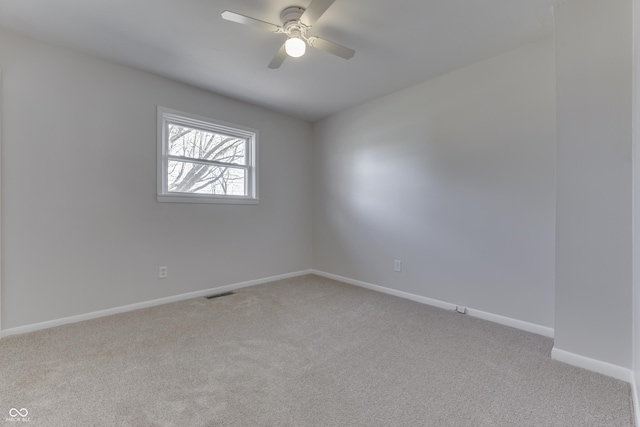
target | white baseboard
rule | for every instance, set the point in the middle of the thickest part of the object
(122, 309)
(634, 398)
(604, 368)
(514, 323)
(394, 292)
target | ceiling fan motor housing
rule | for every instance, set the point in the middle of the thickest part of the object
(291, 19)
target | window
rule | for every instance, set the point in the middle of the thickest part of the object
(201, 161)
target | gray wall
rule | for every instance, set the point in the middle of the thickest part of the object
(82, 230)
(636, 200)
(594, 179)
(455, 177)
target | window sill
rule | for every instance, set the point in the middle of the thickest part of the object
(226, 200)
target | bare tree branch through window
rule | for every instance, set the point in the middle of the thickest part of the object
(202, 161)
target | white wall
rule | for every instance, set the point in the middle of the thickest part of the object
(82, 230)
(636, 203)
(594, 180)
(455, 177)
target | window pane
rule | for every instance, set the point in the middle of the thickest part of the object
(185, 177)
(199, 144)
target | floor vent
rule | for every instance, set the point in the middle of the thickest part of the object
(224, 294)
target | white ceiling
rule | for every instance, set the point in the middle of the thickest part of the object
(398, 43)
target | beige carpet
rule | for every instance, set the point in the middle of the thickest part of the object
(300, 352)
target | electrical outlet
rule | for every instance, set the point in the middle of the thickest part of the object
(162, 272)
(461, 310)
(397, 265)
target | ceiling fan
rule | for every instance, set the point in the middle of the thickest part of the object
(296, 22)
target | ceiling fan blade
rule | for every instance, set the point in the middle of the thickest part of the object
(241, 19)
(314, 11)
(277, 60)
(331, 47)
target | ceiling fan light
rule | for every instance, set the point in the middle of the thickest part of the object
(295, 47)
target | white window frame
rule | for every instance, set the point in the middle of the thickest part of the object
(166, 115)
